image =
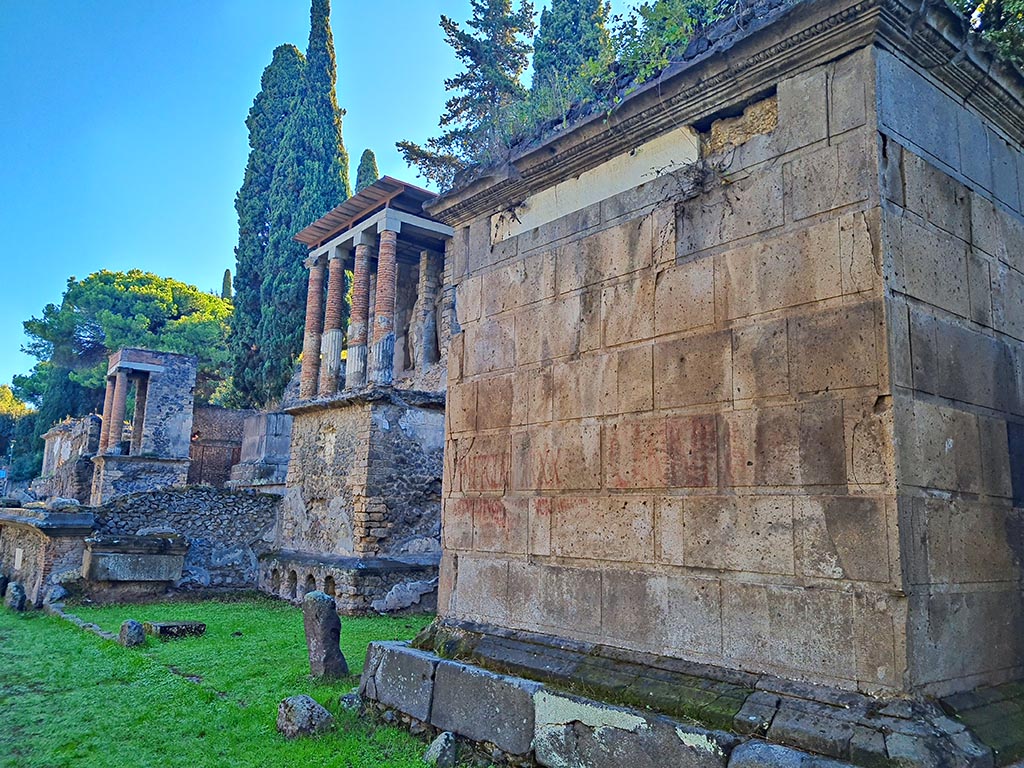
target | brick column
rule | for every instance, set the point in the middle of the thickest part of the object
(355, 365)
(117, 410)
(314, 324)
(108, 403)
(330, 344)
(139, 419)
(425, 313)
(382, 355)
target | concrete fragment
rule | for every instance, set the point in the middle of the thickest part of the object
(323, 635)
(132, 633)
(302, 716)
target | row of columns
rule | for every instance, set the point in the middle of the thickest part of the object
(115, 401)
(371, 352)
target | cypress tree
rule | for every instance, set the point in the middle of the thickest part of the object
(571, 33)
(266, 122)
(494, 53)
(225, 286)
(367, 172)
(310, 177)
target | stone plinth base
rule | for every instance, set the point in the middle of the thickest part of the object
(125, 568)
(358, 585)
(38, 545)
(118, 475)
(537, 698)
(259, 476)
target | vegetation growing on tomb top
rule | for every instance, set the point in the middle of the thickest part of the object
(1001, 22)
(585, 62)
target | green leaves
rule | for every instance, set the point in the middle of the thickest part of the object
(494, 53)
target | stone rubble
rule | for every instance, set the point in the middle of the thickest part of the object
(302, 716)
(132, 634)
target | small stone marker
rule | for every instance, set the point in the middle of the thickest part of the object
(14, 597)
(302, 716)
(442, 752)
(171, 630)
(323, 635)
(132, 634)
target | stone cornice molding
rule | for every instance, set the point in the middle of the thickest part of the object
(926, 34)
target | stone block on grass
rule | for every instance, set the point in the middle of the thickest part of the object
(172, 630)
(323, 635)
(132, 634)
(14, 597)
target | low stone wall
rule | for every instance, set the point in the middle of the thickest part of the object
(225, 530)
(732, 719)
(358, 585)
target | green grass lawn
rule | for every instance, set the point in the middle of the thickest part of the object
(69, 698)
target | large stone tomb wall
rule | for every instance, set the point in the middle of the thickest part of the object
(762, 410)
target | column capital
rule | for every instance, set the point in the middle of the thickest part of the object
(340, 252)
(389, 222)
(314, 260)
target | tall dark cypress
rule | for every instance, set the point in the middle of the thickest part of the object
(310, 177)
(281, 83)
(367, 172)
(571, 32)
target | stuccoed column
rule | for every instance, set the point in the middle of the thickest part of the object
(382, 355)
(314, 324)
(108, 404)
(355, 366)
(330, 344)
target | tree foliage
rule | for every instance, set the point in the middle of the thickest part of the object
(101, 314)
(494, 52)
(1001, 22)
(266, 122)
(571, 33)
(110, 310)
(367, 172)
(12, 412)
(225, 286)
(299, 172)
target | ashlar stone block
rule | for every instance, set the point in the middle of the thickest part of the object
(563, 456)
(684, 297)
(753, 534)
(484, 706)
(759, 277)
(842, 537)
(835, 349)
(693, 371)
(616, 528)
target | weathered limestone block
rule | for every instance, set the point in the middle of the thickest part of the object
(323, 636)
(575, 733)
(302, 716)
(399, 677)
(484, 706)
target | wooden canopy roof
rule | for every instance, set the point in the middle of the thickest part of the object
(386, 192)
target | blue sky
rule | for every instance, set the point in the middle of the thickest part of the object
(122, 133)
